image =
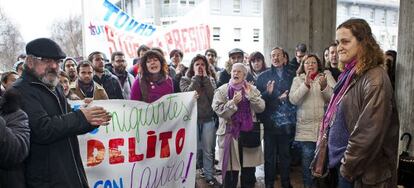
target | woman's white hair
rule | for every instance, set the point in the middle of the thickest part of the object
(242, 67)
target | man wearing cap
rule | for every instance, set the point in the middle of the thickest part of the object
(236, 55)
(106, 79)
(54, 159)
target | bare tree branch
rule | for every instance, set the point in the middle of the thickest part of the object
(68, 34)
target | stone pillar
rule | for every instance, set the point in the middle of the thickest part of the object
(287, 23)
(404, 86)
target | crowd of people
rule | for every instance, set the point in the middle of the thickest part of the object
(347, 94)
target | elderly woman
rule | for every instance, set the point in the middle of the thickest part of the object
(199, 79)
(310, 91)
(236, 104)
(361, 120)
(153, 81)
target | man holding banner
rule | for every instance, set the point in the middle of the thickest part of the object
(54, 159)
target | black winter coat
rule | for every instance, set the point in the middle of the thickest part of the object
(54, 159)
(14, 141)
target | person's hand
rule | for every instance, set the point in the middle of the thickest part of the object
(308, 79)
(284, 95)
(247, 88)
(322, 82)
(237, 97)
(201, 71)
(178, 68)
(270, 86)
(96, 115)
(196, 95)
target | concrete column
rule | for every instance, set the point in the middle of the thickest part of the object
(287, 23)
(404, 70)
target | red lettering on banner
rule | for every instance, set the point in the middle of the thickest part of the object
(133, 157)
(177, 39)
(151, 144)
(118, 41)
(110, 36)
(184, 34)
(193, 44)
(165, 147)
(91, 159)
(115, 156)
(179, 140)
(169, 41)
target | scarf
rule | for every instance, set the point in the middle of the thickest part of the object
(313, 76)
(151, 80)
(241, 120)
(341, 87)
(86, 88)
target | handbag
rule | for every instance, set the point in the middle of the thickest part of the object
(250, 139)
(319, 164)
(406, 165)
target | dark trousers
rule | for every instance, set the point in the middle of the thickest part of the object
(247, 176)
(277, 145)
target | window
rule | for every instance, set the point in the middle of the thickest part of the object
(215, 5)
(394, 40)
(394, 18)
(236, 6)
(354, 11)
(237, 34)
(371, 15)
(216, 33)
(183, 2)
(166, 1)
(191, 2)
(256, 6)
(383, 17)
(256, 33)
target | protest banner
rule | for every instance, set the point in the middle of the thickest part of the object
(106, 28)
(145, 145)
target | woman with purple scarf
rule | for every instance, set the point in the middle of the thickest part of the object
(361, 118)
(236, 104)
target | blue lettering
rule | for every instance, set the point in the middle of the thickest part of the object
(132, 24)
(111, 9)
(120, 16)
(141, 28)
(109, 184)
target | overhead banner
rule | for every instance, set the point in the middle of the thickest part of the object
(107, 28)
(145, 145)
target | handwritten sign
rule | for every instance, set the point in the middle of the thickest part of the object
(145, 145)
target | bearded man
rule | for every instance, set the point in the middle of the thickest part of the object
(54, 159)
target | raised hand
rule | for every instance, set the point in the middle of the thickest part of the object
(284, 95)
(322, 82)
(247, 88)
(308, 79)
(237, 97)
(270, 86)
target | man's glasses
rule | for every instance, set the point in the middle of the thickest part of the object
(47, 60)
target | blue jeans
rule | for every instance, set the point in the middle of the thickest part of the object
(307, 152)
(342, 182)
(206, 141)
(277, 145)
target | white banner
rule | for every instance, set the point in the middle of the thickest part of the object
(106, 28)
(146, 145)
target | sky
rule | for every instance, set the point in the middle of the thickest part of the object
(34, 17)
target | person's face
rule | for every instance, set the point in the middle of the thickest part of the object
(311, 65)
(199, 67)
(299, 55)
(236, 58)
(98, 63)
(326, 55)
(333, 56)
(211, 58)
(142, 52)
(257, 65)
(65, 84)
(86, 74)
(20, 69)
(277, 57)
(10, 80)
(176, 58)
(237, 75)
(153, 65)
(119, 64)
(348, 45)
(45, 69)
(70, 68)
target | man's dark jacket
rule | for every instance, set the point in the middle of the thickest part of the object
(111, 85)
(54, 159)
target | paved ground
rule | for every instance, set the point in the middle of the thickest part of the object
(296, 178)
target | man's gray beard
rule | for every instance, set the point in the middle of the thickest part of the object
(51, 84)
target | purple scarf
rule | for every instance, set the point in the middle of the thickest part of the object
(240, 121)
(343, 84)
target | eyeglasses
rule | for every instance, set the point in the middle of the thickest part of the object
(47, 60)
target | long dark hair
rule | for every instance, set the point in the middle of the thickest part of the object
(153, 54)
(190, 72)
(253, 57)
